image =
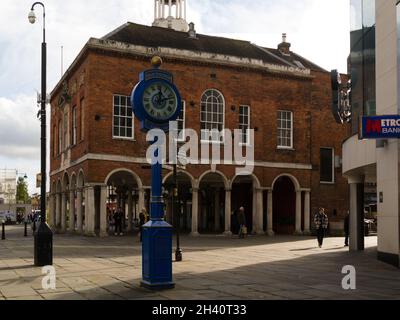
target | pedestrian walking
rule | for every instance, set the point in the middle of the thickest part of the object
(347, 229)
(143, 218)
(321, 224)
(242, 223)
(118, 221)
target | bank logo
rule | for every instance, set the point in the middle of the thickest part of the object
(380, 127)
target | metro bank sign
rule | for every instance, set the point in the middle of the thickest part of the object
(380, 127)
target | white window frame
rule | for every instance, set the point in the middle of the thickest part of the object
(74, 126)
(248, 142)
(181, 135)
(291, 147)
(333, 166)
(82, 108)
(65, 130)
(60, 137)
(126, 117)
(211, 141)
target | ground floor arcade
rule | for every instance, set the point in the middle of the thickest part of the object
(203, 205)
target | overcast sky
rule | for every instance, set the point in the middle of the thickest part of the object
(317, 30)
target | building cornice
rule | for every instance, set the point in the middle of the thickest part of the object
(187, 55)
(139, 160)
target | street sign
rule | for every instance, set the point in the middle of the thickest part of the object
(380, 127)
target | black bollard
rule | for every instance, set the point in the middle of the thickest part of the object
(26, 229)
(34, 226)
(3, 231)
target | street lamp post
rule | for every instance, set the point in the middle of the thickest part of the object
(43, 237)
(175, 210)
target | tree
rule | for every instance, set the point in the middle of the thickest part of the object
(22, 191)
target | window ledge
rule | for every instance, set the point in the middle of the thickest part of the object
(327, 183)
(285, 149)
(124, 139)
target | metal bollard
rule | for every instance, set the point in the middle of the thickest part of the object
(34, 226)
(26, 229)
(3, 231)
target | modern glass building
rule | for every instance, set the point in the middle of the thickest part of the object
(374, 67)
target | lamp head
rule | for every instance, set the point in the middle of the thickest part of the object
(32, 17)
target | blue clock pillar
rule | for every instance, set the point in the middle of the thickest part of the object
(157, 240)
(155, 110)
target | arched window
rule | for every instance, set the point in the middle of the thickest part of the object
(212, 116)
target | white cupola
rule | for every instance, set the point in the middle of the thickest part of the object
(170, 14)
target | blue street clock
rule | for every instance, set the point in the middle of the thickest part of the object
(155, 99)
(155, 102)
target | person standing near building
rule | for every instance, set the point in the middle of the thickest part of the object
(321, 224)
(118, 221)
(347, 228)
(242, 223)
(142, 220)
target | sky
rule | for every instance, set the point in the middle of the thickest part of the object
(317, 29)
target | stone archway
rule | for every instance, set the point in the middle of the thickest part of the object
(124, 190)
(284, 205)
(212, 186)
(179, 214)
(65, 201)
(247, 193)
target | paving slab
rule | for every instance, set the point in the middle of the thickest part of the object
(214, 268)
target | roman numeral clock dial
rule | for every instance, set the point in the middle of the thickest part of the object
(160, 101)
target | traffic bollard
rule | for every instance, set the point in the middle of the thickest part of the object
(3, 231)
(26, 229)
(34, 226)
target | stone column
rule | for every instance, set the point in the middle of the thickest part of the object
(298, 213)
(255, 226)
(260, 212)
(307, 213)
(356, 229)
(71, 211)
(58, 211)
(228, 212)
(217, 211)
(103, 212)
(130, 211)
(270, 218)
(141, 199)
(52, 215)
(63, 212)
(195, 213)
(79, 217)
(89, 212)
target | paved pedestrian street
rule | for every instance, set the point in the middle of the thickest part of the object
(213, 268)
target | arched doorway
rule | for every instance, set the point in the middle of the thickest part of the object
(284, 206)
(243, 196)
(65, 202)
(124, 189)
(179, 214)
(212, 203)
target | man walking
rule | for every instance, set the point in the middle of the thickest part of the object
(118, 221)
(321, 224)
(242, 223)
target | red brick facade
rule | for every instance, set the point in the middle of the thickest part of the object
(98, 74)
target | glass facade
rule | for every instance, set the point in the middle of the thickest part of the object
(362, 60)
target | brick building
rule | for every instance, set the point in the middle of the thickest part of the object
(98, 153)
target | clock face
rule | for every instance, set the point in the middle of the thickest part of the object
(160, 101)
